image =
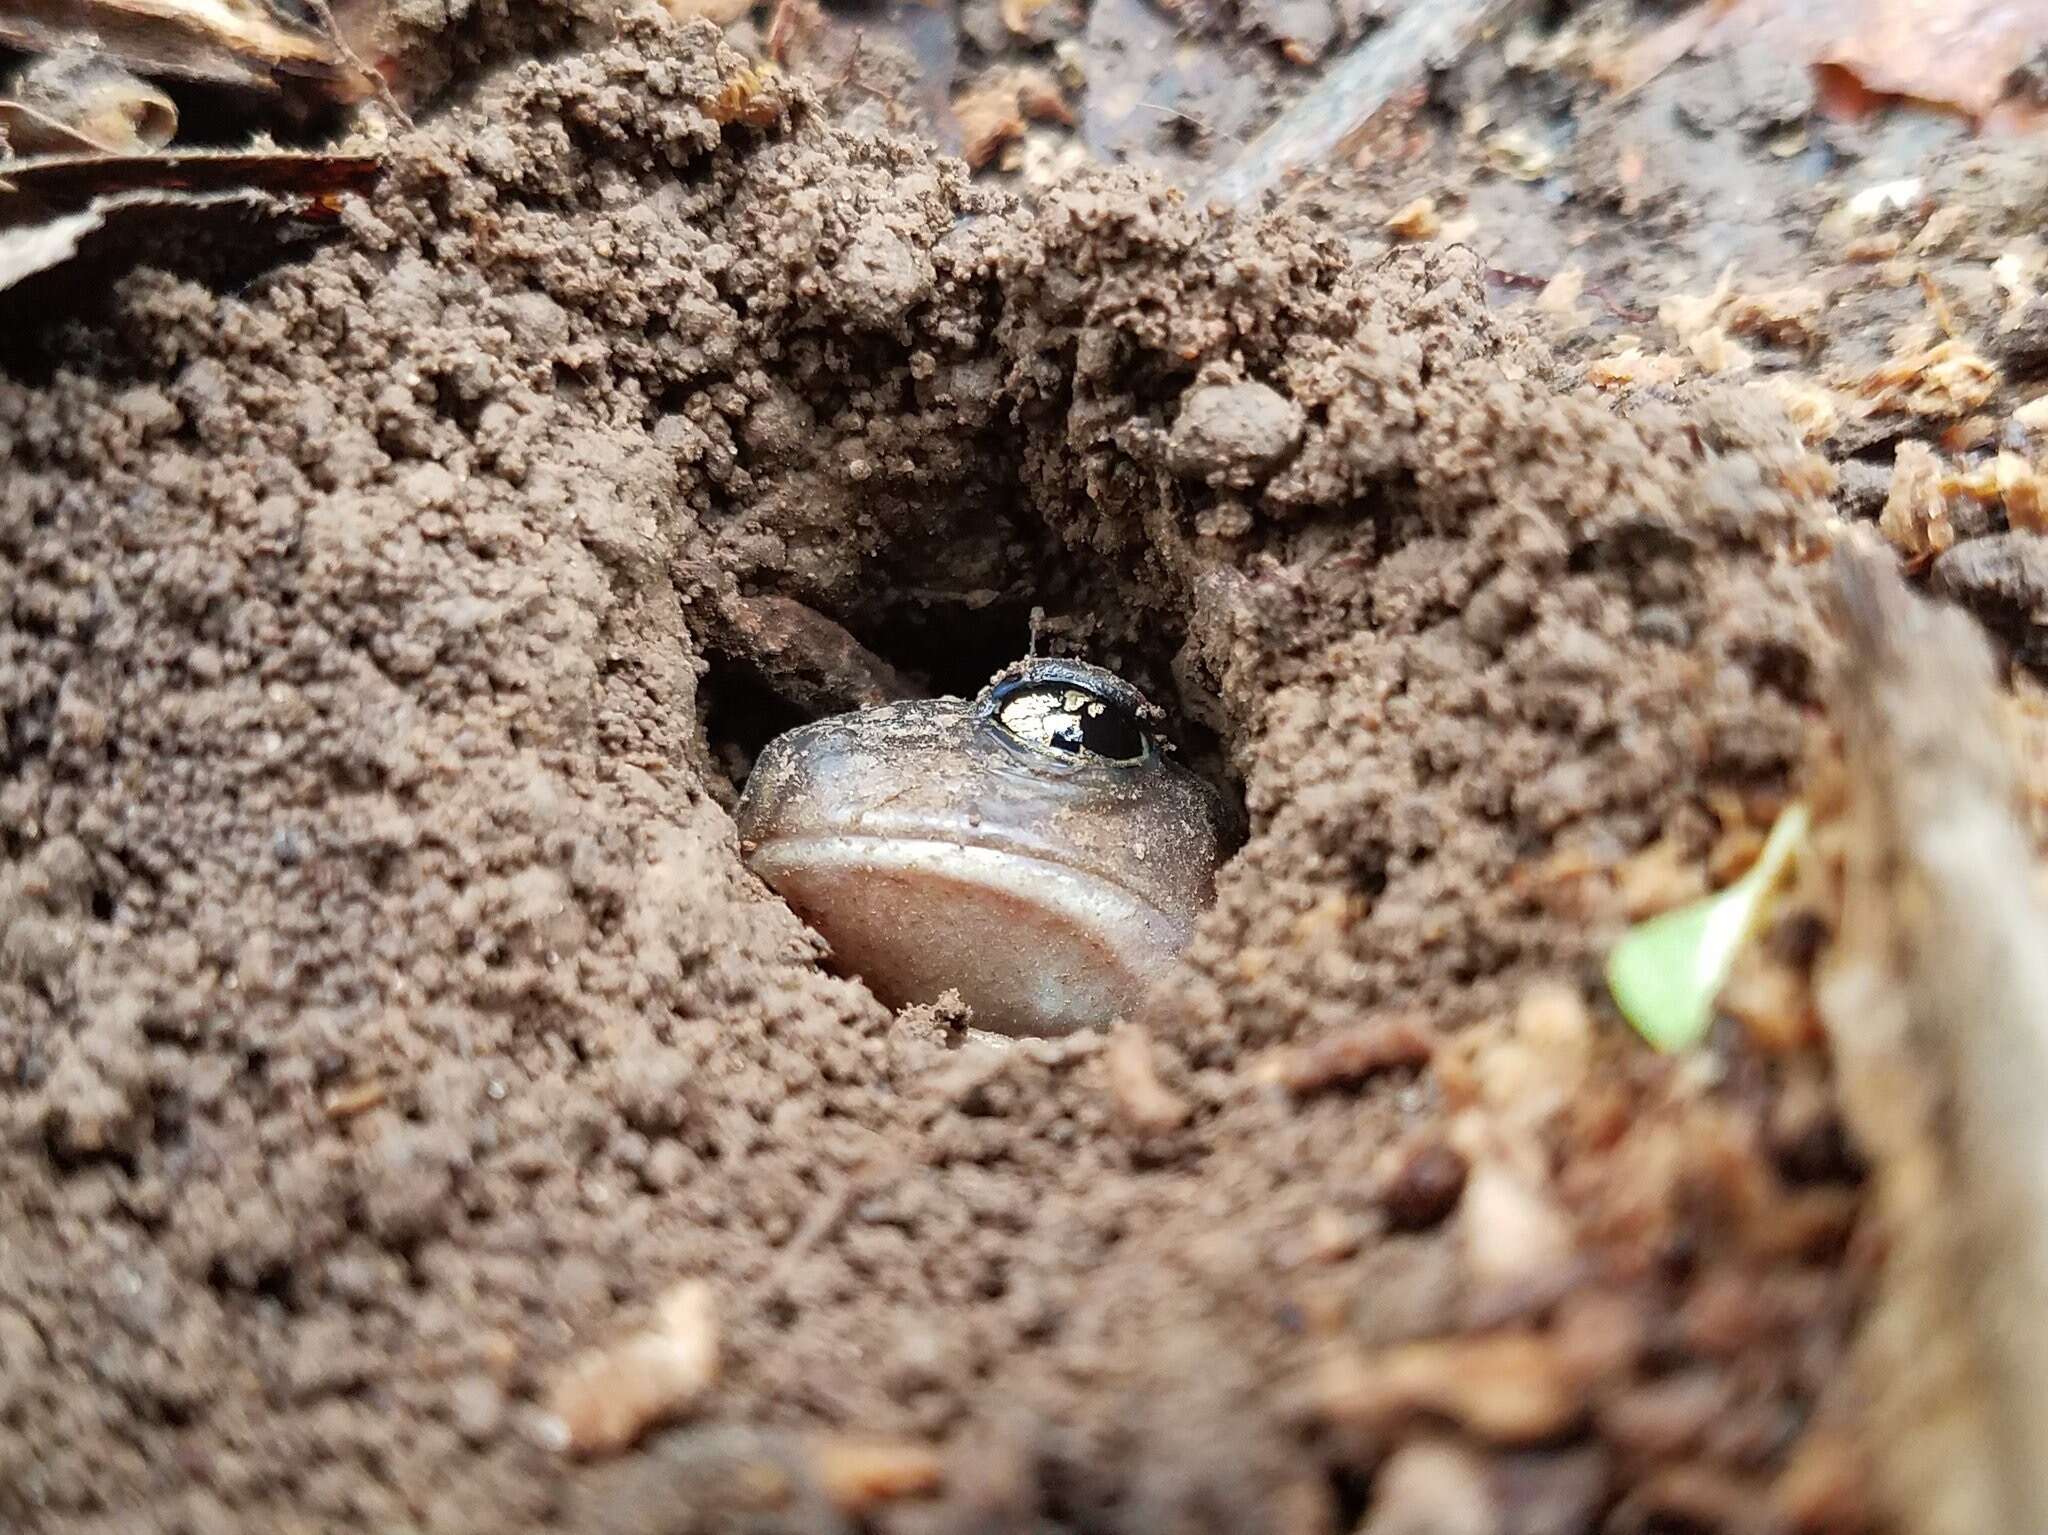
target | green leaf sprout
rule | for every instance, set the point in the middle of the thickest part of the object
(1666, 973)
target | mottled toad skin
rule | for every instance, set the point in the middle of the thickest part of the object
(958, 844)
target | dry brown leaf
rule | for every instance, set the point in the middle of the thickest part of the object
(80, 99)
(1040, 98)
(1957, 54)
(992, 112)
(240, 43)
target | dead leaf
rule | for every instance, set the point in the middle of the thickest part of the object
(71, 180)
(53, 206)
(989, 118)
(241, 43)
(25, 252)
(1348, 1057)
(722, 13)
(80, 99)
(1954, 54)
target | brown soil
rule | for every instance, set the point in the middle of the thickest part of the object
(385, 1015)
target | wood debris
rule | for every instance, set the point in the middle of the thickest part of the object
(1781, 316)
(1560, 296)
(994, 111)
(1506, 1388)
(1346, 1058)
(1916, 511)
(1697, 322)
(1634, 368)
(1946, 380)
(1146, 1104)
(1928, 494)
(860, 1475)
(608, 1397)
(721, 13)
(1815, 413)
(82, 101)
(1935, 998)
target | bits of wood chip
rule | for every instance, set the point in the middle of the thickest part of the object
(1347, 1058)
(1915, 516)
(1417, 221)
(993, 111)
(607, 1398)
(1945, 381)
(1503, 1387)
(1147, 1104)
(859, 1475)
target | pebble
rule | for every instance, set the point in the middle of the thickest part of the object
(1231, 433)
(1425, 1188)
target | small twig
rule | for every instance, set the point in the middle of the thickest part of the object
(1337, 111)
(1192, 121)
(824, 1218)
(324, 14)
(782, 31)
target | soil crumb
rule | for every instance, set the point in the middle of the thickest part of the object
(386, 1019)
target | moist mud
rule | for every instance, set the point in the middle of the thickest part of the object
(384, 1011)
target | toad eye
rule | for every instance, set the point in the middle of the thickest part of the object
(1063, 717)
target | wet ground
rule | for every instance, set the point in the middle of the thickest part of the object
(387, 1025)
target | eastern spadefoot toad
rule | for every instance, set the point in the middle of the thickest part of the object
(1033, 848)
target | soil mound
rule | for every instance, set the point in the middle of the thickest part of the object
(385, 1015)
